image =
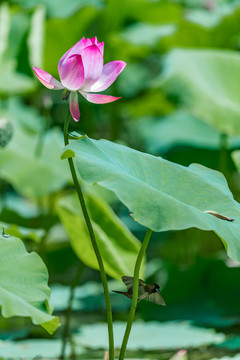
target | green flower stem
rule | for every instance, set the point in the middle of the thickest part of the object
(135, 293)
(94, 244)
(66, 329)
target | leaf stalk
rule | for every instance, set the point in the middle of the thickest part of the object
(93, 241)
(135, 293)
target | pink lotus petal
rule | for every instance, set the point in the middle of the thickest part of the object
(99, 98)
(72, 73)
(47, 80)
(109, 74)
(100, 46)
(94, 41)
(76, 49)
(93, 64)
(73, 105)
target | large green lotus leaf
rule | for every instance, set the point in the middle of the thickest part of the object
(160, 194)
(25, 117)
(36, 37)
(34, 348)
(208, 84)
(178, 128)
(151, 335)
(134, 79)
(208, 18)
(147, 11)
(5, 27)
(150, 102)
(35, 235)
(13, 82)
(23, 284)
(226, 34)
(22, 207)
(14, 27)
(88, 297)
(147, 34)
(59, 8)
(153, 12)
(31, 174)
(119, 248)
(188, 35)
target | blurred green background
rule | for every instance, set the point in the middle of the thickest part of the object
(180, 100)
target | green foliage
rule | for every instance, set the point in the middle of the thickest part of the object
(59, 9)
(207, 83)
(170, 335)
(36, 37)
(12, 82)
(30, 154)
(13, 31)
(146, 34)
(23, 284)
(212, 18)
(35, 235)
(119, 248)
(31, 348)
(157, 12)
(178, 128)
(173, 197)
(236, 159)
(193, 292)
(188, 35)
(155, 88)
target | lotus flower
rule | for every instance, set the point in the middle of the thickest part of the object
(81, 70)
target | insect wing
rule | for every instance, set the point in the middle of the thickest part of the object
(156, 298)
